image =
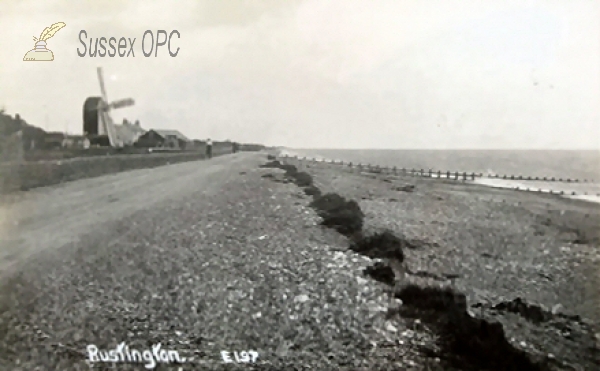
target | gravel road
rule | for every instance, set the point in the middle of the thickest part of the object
(201, 257)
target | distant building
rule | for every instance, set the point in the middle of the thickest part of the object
(163, 138)
(197, 143)
(54, 140)
(75, 141)
(31, 137)
(128, 132)
(12, 147)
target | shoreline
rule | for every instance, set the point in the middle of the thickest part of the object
(254, 266)
(587, 192)
(484, 242)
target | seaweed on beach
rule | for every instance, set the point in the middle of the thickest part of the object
(272, 165)
(405, 188)
(311, 190)
(290, 170)
(531, 312)
(381, 272)
(343, 215)
(466, 342)
(302, 179)
(380, 245)
(534, 313)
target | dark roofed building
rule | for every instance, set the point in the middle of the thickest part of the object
(163, 138)
(54, 140)
(173, 134)
(129, 132)
(76, 141)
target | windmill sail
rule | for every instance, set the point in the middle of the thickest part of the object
(98, 123)
(122, 103)
(106, 119)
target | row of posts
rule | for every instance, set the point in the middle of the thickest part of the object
(520, 177)
(456, 175)
(413, 172)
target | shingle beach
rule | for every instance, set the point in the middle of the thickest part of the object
(226, 255)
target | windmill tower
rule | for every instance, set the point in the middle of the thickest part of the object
(98, 126)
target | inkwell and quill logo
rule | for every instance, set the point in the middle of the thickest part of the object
(40, 52)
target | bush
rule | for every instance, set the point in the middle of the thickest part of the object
(344, 216)
(271, 157)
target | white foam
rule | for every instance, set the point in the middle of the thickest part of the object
(287, 152)
(589, 198)
(545, 187)
(501, 183)
(533, 186)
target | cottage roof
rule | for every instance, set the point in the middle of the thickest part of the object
(54, 135)
(75, 136)
(133, 128)
(165, 133)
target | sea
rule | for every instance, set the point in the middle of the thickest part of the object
(582, 165)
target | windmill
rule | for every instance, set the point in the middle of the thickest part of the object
(98, 126)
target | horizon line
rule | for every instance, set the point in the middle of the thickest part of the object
(439, 149)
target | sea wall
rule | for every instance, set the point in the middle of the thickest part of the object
(17, 176)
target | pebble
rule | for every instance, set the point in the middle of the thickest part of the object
(408, 333)
(361, 281)
(301, 298)
(391, 328)
(556, 308)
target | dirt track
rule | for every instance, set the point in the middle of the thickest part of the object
(201, 257)
(212, 255)
(54, 216)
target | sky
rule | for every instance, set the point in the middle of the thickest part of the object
(406, 74)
